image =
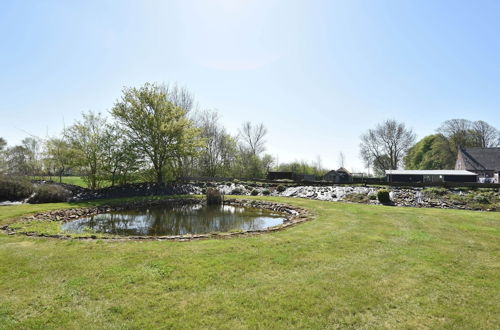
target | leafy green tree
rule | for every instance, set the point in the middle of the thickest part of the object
(59, 156)
(433, 152)
(88, 139)
(121, 159)
(159, 129)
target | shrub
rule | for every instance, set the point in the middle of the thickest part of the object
(372, 197)
(213, 197)
(435, 191)
(383, 196)
(357, 198)
(266, 192)
(482, 199)
(255, 192)
(236, 191)
(14, 188)
(280, 188)
(50, 193)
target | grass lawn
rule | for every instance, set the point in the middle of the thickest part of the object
(355, 266)
(75, 180)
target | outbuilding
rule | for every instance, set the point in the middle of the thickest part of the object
(430, 176)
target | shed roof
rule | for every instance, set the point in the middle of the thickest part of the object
(429, 172)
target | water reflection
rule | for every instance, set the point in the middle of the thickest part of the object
(176, 220)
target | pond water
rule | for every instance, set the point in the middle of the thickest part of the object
(176, 220)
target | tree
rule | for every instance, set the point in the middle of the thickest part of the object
(433, 152)
(341, 160)
(253, 137)
(33, 155)
(60, 156)
(120, 155)
(87, 138)
(219, 148)
(458, 133)
(385, 146)
(159, 129)
(17, 160)
(3, 144)
(484, 135)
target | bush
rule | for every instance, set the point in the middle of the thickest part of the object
(372, 197)
(50, 193)
(280, 188)
(266, 192)
(213, 197)
(383, 196)
(482, 199)
(236, 191)
(357, 198)
(435, 191)
(14, 189)
(255, 192)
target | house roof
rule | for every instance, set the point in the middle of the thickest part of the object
(481, 158)
(428, 172)
(342, 169)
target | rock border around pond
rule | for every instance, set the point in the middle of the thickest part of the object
(293, 215)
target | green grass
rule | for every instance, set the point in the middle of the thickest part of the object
(354, 266)
(75, 180)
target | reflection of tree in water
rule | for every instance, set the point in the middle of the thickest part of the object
(177, 220)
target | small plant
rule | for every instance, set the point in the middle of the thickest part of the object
(254, 192)
(357, 198)
(383, 196)
(213, 197)
(236, 191)
(482, 199)
(266, 192)
(372, 197)
(435, 191)
(236, 181)
(280, 188)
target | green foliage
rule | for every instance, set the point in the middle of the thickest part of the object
(213, 196)
(161, 129)
(266, 192)
(383, 196)
(482, 198)
(254, 192)
(14, 188)
(87, 139)
(49, 193)
(280, 188)
(435, 191)
(357, 198)
(433, 152)
(236, 191)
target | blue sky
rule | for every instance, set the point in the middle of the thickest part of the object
(316, 73)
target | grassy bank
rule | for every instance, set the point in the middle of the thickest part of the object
(353, 266)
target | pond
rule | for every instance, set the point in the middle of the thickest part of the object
(176, 220)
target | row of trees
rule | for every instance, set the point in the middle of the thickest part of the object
(391, 145)
(153, 135)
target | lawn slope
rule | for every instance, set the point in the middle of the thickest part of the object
(354, 266)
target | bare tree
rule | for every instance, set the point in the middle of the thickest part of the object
(385, 146)
(341, 160)
(253, 137)
(218, 151)
(458, 133)
(179, 96)
(485, 135)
